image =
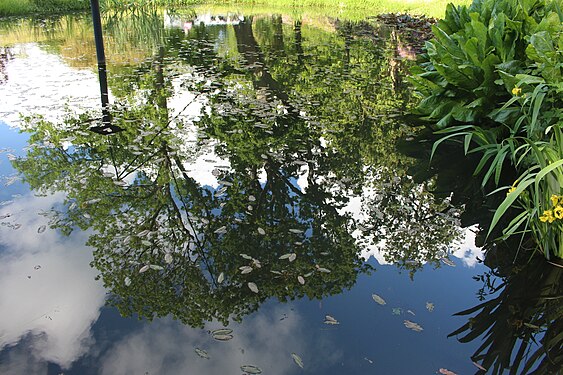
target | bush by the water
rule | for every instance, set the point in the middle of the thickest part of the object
(492, 77)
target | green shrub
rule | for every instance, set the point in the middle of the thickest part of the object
(493, 75)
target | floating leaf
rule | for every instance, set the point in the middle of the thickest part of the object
(297, 360)
(246, 256)
(301, 280)
(251, 198)
(168, 258)
(285, 256)
(221, 277)
(396, 311)
(323, 270)
(412, 325)
(143, 233)
(245, 269)
(330, 320)
(127, 281)
(292, 257)
(378, 299)
(296, 231)
(156, 267)
(479, 366)
(448, 262)
(252, 287)
(411, 312)
(221, 230)
(261, 231)
(251, 369)
(202, 353)
(41, 229)
(221, 331)
(222, 337)
(144, 268)
(429, 306)
(446, 372)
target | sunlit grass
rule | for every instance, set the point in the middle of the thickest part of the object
(22, 7)
(354, 8)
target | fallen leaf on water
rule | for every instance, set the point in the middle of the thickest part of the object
(378, 299)
(168, 258)
(251, 369)
(245, 269)
(156, 267)
(448, 262)
(144, 268)
(396, 311)
(221, 331)
(411, 312)
(127, 281)
(412, 325)
(221, 230)
(222, 337)
(253, 287)
(261, 231)
(297, 360)
(429, 306)
(292, 257)
(479, 366)
(301, 280)
(446, 372)
(330, 320)
(221, 278)
(202, 353)
(41, 229)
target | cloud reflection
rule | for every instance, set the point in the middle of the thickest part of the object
(47, 288)
(165, 347)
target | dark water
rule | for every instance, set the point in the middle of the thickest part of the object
(262, 178)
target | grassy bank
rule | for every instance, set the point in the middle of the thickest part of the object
(24, 7)
(434, 8)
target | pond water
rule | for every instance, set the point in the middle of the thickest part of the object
(251, 179)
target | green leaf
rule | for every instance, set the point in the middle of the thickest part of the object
(505, 205)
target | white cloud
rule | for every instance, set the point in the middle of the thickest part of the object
(47, 288)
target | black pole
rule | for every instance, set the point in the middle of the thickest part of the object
(101, 60)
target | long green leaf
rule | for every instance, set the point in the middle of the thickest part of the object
(510, 198)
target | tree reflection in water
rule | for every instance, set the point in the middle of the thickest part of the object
(296, 129)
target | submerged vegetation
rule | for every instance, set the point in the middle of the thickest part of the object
(492, 78)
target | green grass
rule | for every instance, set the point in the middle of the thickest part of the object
(433, 8)
(341, 8)
(26, 7)
(14, 7)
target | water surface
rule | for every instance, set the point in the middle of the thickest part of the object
(253, 182)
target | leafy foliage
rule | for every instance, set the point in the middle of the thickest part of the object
(493, 76)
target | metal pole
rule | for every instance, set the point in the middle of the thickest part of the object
(101, 59)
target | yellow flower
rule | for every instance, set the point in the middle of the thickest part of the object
(547, 216)
(516, 91)
(558, 212)
(554, 199)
